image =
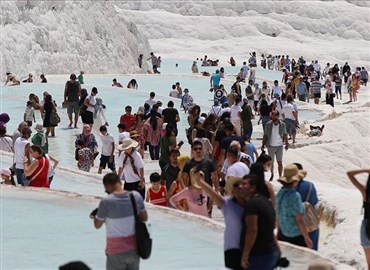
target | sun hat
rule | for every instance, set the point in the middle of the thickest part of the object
(5, 172)
(291, 174)
(301, 173)
(186, 90)
(127, 143)
(39, 128)
(230, 182)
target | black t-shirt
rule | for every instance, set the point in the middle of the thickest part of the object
(169, 116)
(265, 110)
(150, 114)
(225, 143)
(249, 91)
(262, 208)
(205, 165)
(169, 174)
(72, 92)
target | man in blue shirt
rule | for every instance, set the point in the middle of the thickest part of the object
(215, 80)
(308, 193)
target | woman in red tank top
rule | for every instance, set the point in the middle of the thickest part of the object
(37, 171)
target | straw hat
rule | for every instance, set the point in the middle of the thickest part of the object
(230, 182)
(291, 174)
(127, 143)
(302, 173)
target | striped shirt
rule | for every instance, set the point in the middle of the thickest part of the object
(117, 213)
(316, 86)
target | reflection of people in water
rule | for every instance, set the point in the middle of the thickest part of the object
(316, 131)
(99, 115)
(10, 78)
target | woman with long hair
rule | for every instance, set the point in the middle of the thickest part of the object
(132, 84)
(167, 143)
(37, 171)
(47, 108)
(193, 114)
(259, 245)
(152, 132)
(365, 225)
(139, 127)
(268, 190)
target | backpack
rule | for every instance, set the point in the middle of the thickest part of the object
(311, 217)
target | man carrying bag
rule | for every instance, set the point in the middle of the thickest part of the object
(117, 212)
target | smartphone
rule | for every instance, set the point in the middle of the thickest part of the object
(180, 143)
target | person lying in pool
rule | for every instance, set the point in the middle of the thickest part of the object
(316, 131)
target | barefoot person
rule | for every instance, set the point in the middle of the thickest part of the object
(72, 93)
(365, 225)
(274, 137)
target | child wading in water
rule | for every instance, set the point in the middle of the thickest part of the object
(29, 114)
(84, 156)
(157, 193)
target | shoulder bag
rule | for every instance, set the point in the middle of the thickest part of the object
(143, 240)
(311, 217)
(54, 118)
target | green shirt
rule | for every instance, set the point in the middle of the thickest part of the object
(247, 116)
(80, 79)
(165, 144)
(37, 139)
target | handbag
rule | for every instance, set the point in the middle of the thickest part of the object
(311, 217)
(54, 118)
(143, 240)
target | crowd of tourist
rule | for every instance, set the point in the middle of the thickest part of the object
(223, 168)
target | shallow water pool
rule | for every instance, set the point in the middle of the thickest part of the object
(44, 229)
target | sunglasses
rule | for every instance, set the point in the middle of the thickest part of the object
(198, 149)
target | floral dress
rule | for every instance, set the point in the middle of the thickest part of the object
(85, 157)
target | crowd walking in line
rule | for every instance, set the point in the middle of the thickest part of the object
(224, 167)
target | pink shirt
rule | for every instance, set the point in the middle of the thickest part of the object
(153, 136)
(197, 201)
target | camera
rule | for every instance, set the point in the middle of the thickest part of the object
(282, 262)
(93, 213)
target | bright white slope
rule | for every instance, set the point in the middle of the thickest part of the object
(330, 31)
(55, 37)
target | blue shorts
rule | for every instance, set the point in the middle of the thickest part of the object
(365, 241)
(290, 126)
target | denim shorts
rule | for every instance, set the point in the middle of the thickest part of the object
(365, 241)
(290, 126)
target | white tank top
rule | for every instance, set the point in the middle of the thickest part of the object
(19, 149)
